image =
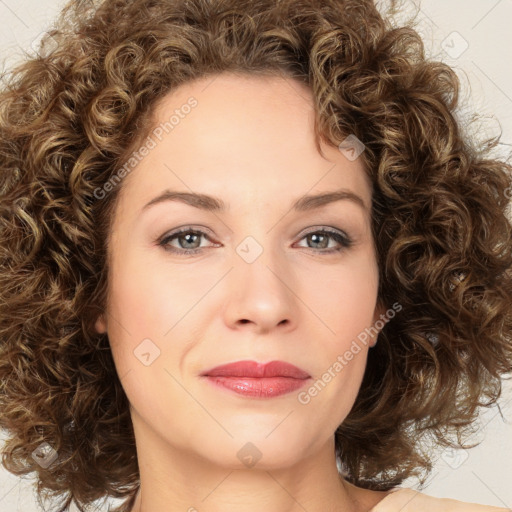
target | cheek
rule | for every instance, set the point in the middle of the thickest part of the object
(344, 297)
(133, 311)
(148, 296)
(141, 311)
(152, 301)
(344, 301)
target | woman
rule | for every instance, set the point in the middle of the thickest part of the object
(248, 260)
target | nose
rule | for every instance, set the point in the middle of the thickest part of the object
(260, 295)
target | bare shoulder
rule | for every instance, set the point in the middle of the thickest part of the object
(409, 500)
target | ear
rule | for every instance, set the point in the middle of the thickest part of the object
(101, 324)
(380, 309)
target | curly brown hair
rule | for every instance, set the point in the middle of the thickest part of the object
(69, 118)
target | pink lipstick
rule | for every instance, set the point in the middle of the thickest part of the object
(258, 380)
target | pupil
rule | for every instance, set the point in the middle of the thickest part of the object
(187, 237)
(316, 236)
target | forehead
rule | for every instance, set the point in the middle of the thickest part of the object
(242, 131)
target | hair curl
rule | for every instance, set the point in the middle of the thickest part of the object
(69, 117)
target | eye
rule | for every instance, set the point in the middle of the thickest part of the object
(189, 241)
(321, 240)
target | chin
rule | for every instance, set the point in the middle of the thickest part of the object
(255, 449)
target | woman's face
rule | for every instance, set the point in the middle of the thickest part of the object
(261, 282)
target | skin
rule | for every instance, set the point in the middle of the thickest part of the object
(410, 500)
(250, 142)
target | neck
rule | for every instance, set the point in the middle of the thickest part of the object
(173, 479)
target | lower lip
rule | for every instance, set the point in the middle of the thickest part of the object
(262, 387)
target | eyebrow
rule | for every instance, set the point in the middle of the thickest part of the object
(215, 204)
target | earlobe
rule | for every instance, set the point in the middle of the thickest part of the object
(377, 321)
(379, 310)
(100, 324)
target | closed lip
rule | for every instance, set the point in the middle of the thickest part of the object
(253, 369)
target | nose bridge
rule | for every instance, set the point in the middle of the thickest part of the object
(261, 291)
(259, 264)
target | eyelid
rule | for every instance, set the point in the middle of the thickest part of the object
(344, 240)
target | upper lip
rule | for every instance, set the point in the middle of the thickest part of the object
(255, 369)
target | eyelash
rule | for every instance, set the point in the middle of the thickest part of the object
(345, 241)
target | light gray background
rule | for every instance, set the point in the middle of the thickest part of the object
(474, 37)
